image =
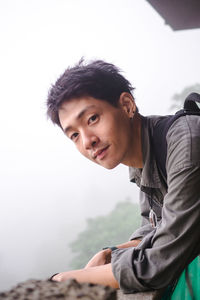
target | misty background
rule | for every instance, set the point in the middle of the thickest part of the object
(47, 190)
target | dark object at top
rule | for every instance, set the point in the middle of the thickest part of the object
(179, 14)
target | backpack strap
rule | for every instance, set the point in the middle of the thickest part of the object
(159, 142)
(190, 102)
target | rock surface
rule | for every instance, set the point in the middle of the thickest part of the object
(51, 290)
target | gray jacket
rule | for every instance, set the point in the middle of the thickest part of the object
(167, 249)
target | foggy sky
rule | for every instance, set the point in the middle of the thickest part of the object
(47, 189)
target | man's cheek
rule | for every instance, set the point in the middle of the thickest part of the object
(85, 154)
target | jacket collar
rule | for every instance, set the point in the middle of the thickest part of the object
(148, 176)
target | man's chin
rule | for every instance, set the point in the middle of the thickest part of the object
(108, 165)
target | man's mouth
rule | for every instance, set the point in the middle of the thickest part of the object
(100, 154)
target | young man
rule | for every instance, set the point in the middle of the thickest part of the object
(94, 106)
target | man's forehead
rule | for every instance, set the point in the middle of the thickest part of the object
(77, 106)
(75, 109)
(79, 103)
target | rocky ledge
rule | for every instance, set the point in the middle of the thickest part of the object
(69, 290)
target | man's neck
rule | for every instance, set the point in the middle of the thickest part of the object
(135, 158)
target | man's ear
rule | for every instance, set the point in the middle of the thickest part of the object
(127, 103)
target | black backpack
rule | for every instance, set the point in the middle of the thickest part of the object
(160, 131)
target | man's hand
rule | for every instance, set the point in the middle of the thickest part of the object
(98, 275)
(101, 258)
(98, 270)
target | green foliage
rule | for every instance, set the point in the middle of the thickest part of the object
(112, 229)
(179, 99)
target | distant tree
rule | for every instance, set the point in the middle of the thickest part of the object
(178, 99)
(112, 229)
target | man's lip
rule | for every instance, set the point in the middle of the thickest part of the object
(97, 153)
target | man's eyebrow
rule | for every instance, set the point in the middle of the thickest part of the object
(79, 116)
(82, 112)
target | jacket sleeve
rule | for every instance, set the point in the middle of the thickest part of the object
(164, 253)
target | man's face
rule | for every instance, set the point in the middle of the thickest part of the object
(100, 131)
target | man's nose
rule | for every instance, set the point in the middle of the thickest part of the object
(89, 140)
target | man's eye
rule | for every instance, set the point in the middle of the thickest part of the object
(73, 136)
(92, 119)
